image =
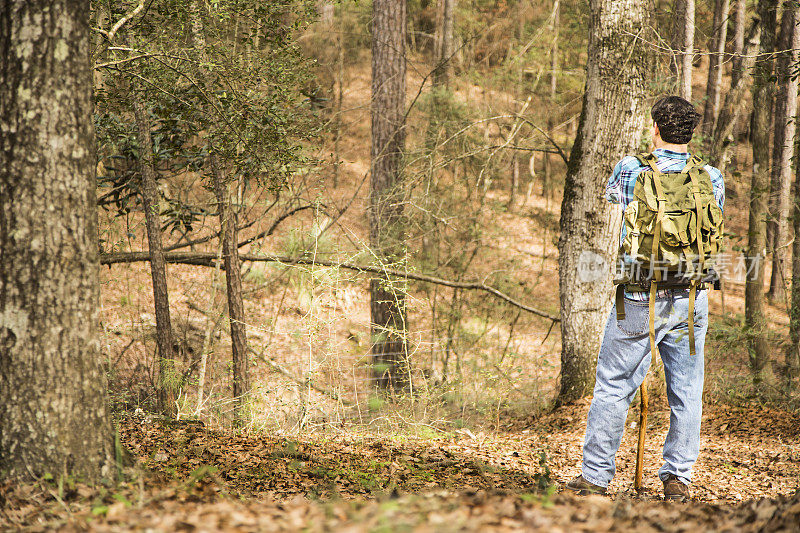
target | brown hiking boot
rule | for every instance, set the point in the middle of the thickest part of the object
(675, 490)
(581, 487)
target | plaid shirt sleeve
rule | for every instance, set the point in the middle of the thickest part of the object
(619, 189)
(718, 182)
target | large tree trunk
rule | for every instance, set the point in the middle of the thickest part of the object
(158, 268)
(755, 319)
(388, 315)
(233, 268)
(729, 114)
(717, 50)
(53, 415)
(614, 108)
(444, 70)
(783, 149)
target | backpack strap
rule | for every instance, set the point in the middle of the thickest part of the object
(693, 163)
(620, 301)
(652, 311)
(692, 295)
(692, 168)
(662, 203)
(648, 160)
(694, 175)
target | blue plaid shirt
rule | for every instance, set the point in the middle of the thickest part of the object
(619, 189)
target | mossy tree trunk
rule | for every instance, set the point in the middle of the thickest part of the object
(618, 71)
(53, 397)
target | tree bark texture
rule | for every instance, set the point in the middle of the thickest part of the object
(717, 50)
(735, 100)
(53, 415)
(167, 384)
(676, 40)
(618, 72)
(444, 70)
(739, 35)
(793, 350)
(755, 319)
(683, 46)
(548, 167)
(233, 283)
(512, 195)
(783, 149)
(387, 234)
(687, 51)
(326, 10)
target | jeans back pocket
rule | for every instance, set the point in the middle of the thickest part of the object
(637, 318)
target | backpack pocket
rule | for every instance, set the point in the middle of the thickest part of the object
(712, 216)
(678, 229)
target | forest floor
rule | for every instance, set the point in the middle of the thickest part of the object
(190, 478)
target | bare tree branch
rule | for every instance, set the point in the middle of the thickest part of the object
(275, 224)
(121, 22)
(553, 142)
(209, 259)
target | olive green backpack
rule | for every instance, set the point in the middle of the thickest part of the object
(673, 231)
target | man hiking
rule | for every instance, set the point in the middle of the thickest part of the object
(673, 219)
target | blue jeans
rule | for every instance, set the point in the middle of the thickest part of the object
(621, 368)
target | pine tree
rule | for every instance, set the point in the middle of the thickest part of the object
(387, 305)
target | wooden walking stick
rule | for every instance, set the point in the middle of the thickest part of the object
(645, 403)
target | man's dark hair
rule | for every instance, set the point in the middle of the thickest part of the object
(676, 119)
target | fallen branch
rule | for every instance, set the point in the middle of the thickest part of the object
(209, 259)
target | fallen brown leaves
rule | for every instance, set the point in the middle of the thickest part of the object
(327, 467)
(204, 509)
(746, 452)
(190, 478)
